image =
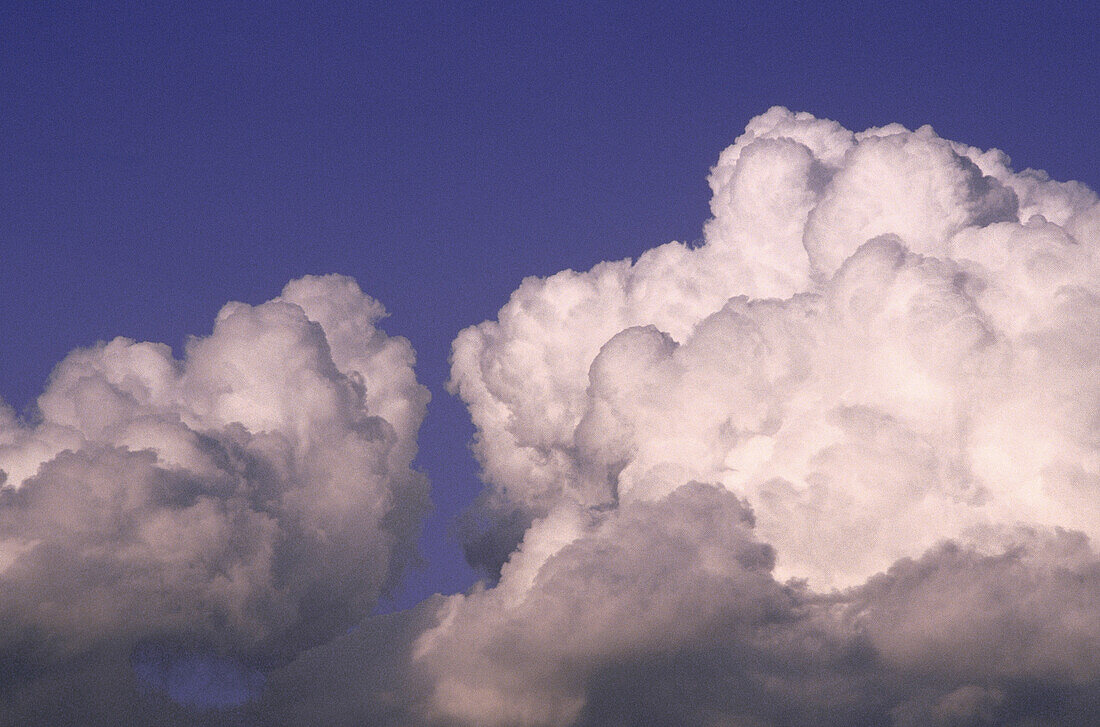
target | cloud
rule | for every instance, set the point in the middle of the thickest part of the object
(836, 465)
(235, 507)
(884, 328)
(887, 350)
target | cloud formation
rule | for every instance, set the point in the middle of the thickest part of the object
(248, 501)
(882, 328)
(839, 464)
(887, 350)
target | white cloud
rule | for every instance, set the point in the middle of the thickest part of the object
(866, 341)
(887, 340)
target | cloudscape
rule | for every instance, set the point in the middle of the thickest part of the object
(836, 463)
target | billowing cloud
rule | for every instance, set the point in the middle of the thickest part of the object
(244, 503)
(887, 350)
(882, 329)
(837, 465)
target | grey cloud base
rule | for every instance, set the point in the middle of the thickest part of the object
(668, 615)
(838, 465)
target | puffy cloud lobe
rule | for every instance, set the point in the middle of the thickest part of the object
(887, 348)
(253, 498)
(519, 653)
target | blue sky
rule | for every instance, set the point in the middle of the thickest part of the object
(161, 159)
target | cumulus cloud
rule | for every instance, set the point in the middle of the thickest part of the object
(886, 350)
(837, 465)
(243, 503)
(883, 328)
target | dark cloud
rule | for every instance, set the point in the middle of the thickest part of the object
(666, 614)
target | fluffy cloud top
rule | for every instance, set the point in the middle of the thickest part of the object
(251, 499)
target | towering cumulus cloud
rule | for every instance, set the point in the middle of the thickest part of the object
(840, 464)
(243, 503)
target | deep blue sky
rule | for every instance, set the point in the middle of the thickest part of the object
(161, 159)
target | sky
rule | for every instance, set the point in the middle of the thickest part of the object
(162, 160)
